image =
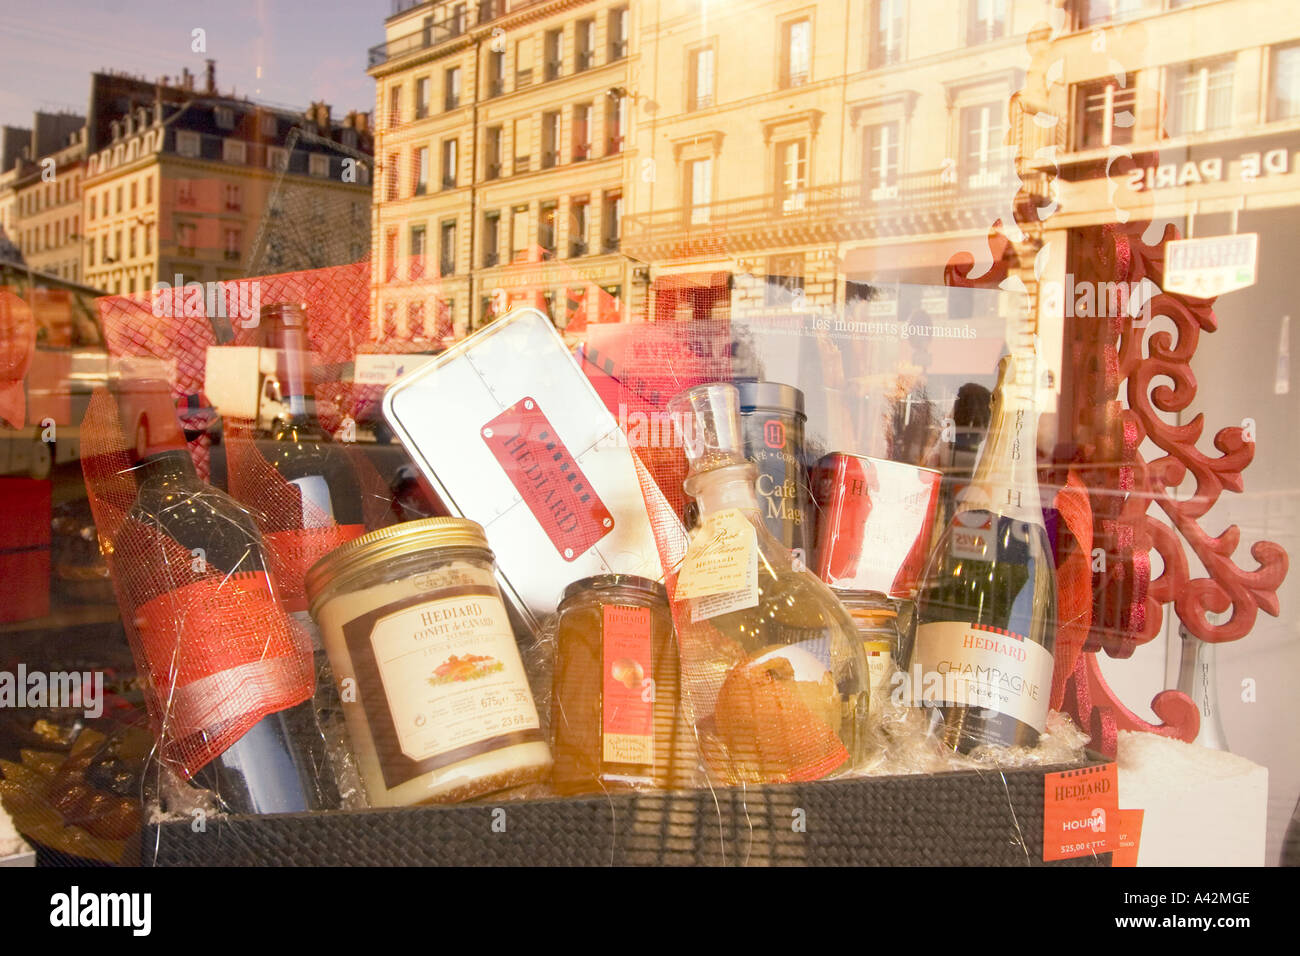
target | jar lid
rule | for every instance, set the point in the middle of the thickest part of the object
(608, 582)
(409, 537)
(773, 395)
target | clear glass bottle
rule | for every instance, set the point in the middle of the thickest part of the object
(1197, 678)
(792, 680)
(876, 617)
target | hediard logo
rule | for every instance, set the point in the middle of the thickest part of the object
(77, 909)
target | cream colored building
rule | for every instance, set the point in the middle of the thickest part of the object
(501, 145)
(47, 207)
(812, 150)
(211, 188)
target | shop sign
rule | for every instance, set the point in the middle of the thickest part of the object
(1212, 169)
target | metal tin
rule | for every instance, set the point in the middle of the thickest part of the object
(772, 420)
(510, 433)
(875, 522)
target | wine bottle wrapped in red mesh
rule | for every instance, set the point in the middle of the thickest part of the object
(981, 654)
(226, 669)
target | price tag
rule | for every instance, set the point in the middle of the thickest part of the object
(1080, 812)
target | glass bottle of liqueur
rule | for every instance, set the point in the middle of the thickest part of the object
(981, 652)
(330, 514)
(792, 681)
(267, 770)
(772, 420)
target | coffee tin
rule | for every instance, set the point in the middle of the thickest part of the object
(772, 420)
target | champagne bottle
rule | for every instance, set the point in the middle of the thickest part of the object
(981, 653)
(265, 770)
(793, 684)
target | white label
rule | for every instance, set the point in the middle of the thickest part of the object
(713, 605)
(372, 368)
(1210, 266)
(452, 675)
(968, 666)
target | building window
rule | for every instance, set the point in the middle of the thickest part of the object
(1107, 111)
(522, 147)
(394, 106)
(447, 248)
(185, 239)
(1284, 90)
(389, 328)
(611, 221)
(187, 143)
(450, 156)
(796, 52)
(231, 245)
(553, 54)
(699, 189)
(422, 86)
(391, 189)
(618, 33)
(784, 280)
(792, 173)
(1200, 96)
(277, 158)
(985, 20)
(451, 89)
(118, 196)
(418, 243)
(270, 128)
(415, 319)
(234, 197)
(148, 190)
(90, 253)
(91, 211)
(491, 238)
(581, 132)
(523, 63)
(420, 186)
(550, 139)
(234, 151)
(615, 123)
(130, 236)
(518, 232)
(578, 223)
(492, 152)
(225, 117)
(135, 194)
(496, 79)
(983, 129)
(546, 228)
(390, 256)
(584, 39)
(184, 193)
(887, 28)
(1103, 11)
(880, 148)
(318, 164)
(701, 76)
(148, 240)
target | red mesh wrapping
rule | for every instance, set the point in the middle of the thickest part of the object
(217, 651)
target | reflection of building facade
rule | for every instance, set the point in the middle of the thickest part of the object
(801, 152)
(181, 182)
(42, 213)
(1206, 136)
(501, 148)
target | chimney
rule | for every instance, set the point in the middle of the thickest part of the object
(187, 79)
(211, 88)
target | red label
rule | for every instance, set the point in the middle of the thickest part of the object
(1128, 836)
(548, 478)
(1080, 812)
(774, 433)
(627, 712)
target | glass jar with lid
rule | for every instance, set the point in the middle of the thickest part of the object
(434, 692)
(616, 723)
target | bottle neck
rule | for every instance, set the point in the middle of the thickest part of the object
(1005, 480)
(1198, 680)
(720, 489)
(171, 465)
